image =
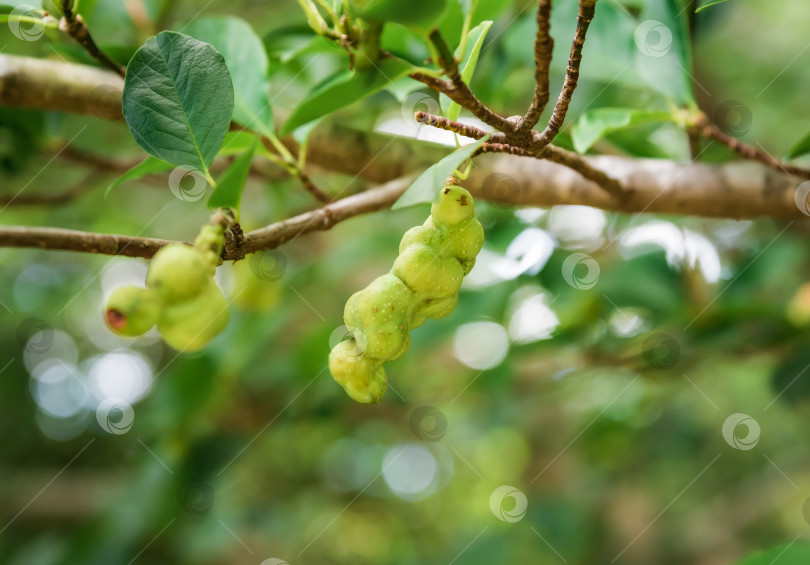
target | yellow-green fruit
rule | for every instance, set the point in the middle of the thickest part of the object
(454, 205)
(386, 299)
(132, 310)
(463, 240)
(357, 373)
(438, 307)
(190, 325)
(427, 273)
(177, 272)
(424, 234)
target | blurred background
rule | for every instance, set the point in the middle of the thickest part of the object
(610, 388)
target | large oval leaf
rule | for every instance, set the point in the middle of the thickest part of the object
(178, 99)
(421, 14)
(246, 59)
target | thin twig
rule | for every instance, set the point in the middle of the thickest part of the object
(294, 170)
(586, 13)
(543, 48)
(74, 26)
(706, 128)
(456, 127)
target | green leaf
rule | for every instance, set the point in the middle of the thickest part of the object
(421, 14)
(343, 90)
(146, 167)
(596, 124)
(247, 62)
(707, 4)
(228, 193)
(790, 554)
(800, 148)
(178, 99)
(475, 40)
(663, 57)
(426, 186)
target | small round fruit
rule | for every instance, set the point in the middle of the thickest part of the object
(189, 326)
(425, 235)
(132, 310)
(357, 374)
(177, 272)
(438, 307)
(464, 240)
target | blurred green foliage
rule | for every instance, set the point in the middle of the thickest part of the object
(601, 397)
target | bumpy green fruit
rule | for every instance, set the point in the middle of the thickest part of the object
(425, 234)
(464, 240)
(427, 273)
(454, 205)
(132, 310)
(438, 307)
(190, 325)
(423, 283)
(356, 373)
(177, 273)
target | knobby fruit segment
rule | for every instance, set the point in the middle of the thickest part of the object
(181, 296)
(423, 283)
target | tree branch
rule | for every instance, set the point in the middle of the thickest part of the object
(587, 9)
(543, 48)
(73, 25)
(704, 127)
(740, 189)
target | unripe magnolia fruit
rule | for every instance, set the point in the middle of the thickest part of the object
(188, 326)
(423, 283)
(132, 310)
(356, 373)
(177, 272)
